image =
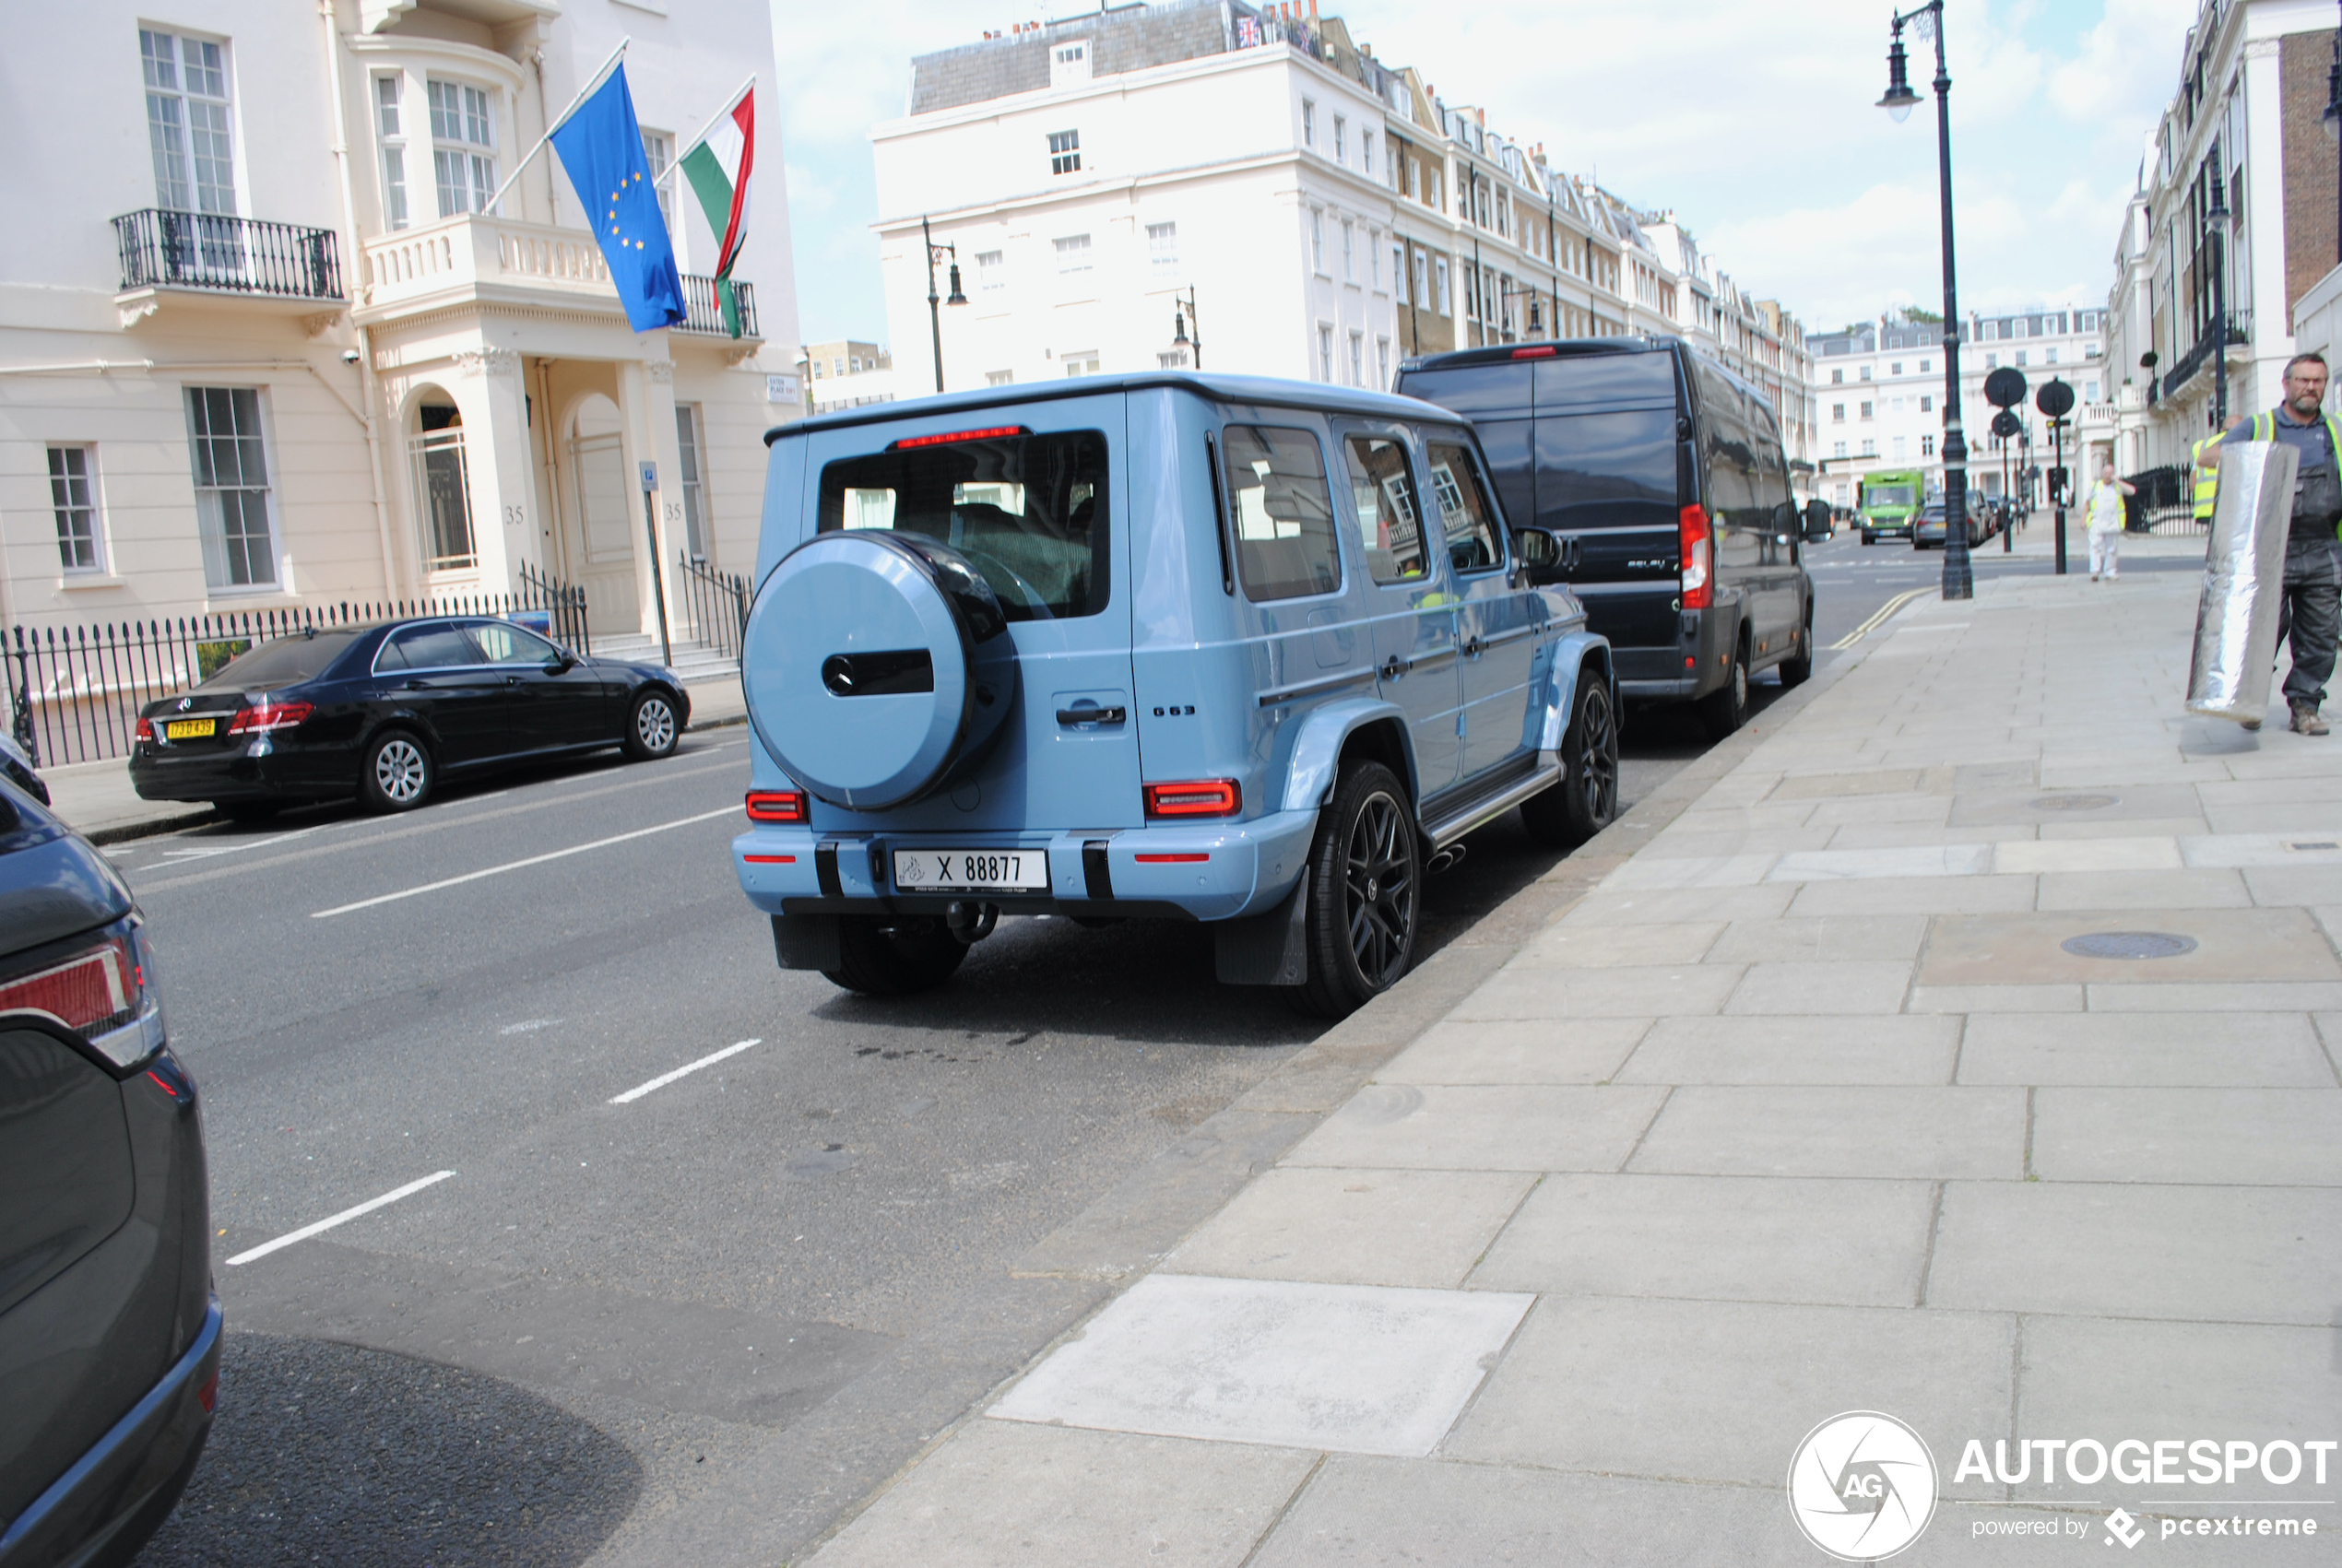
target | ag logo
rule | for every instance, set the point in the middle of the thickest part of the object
(1861, 1486)
(2123, 1526)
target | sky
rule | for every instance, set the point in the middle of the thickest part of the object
(1754, 122)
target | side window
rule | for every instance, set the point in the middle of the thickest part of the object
(1282, 513)
(505, 643)
(435, 646)
(1465, 516)
(1382, 495)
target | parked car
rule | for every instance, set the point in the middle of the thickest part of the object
(1928, 531)
(1659, 476)
(1247, 651)
(109, 1329)
(17, 767)
(386, 710)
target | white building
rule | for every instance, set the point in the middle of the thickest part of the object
(260, 346)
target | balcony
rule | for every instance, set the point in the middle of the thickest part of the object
(205, 252)
(2239, 335)
(477, 259)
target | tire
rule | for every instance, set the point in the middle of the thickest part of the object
(1798, 668)
(396, 772)
(1365, 885)
(651, 730)
(881, 955)
(1586, 800)
(1869, 538)
(248, 811)
(1724, 710)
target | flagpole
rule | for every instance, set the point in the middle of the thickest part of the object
(591, 83)
(730, 104)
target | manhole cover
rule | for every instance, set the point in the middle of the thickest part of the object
(2129, 945)
(2075, 802)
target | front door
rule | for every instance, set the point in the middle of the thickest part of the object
(551, 711)
(1493, 614)
(1412, 610)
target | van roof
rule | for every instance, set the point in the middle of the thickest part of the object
(1579, 348)
(1270, 389)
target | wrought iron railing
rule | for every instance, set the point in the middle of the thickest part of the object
(2240, 334)
(163, 247)
(714, 604)
(703, 306)
(75, 691)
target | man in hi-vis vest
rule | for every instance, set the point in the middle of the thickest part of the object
(2205, 477)
(2312, 613)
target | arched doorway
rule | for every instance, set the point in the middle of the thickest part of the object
(443, 482)
(596, 458)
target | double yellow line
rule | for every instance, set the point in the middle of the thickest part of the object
(1875, 621)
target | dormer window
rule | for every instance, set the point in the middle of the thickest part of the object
(1069, 63)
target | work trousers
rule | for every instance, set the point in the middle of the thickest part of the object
(2102, 551)
(2310, 616)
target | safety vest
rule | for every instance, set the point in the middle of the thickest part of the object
(2265, 428)
(2208, 480)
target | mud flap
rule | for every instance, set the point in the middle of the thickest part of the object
(806, 941)
(1266, 950)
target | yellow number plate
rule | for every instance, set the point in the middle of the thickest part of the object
(188, 729)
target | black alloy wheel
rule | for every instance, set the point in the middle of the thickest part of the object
(1586, 800)
(651, 730)
(1724, 710)
(885, 955)
(395, 773)
(1363, 883)
(1798, 668)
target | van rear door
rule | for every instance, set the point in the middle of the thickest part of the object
(1606, 463)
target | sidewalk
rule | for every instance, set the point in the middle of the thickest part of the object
(1806, 1108)
(96, 797)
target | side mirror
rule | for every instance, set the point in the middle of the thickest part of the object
(1540, 554)
(1817, 522)
(561, 663)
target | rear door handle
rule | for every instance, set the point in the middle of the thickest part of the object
(1091, 715)
(1392, 668)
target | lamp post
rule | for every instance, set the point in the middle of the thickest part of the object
(2216, 225)
(1179, 336)
(934, 315)
(2331, 121)
(1959, 582)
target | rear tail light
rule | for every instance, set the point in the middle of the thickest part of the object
(1195, 798)
(1699, 558)
(1546, 351)
(992, 432)
(1170, 859)
(776, 806)
(97, 988)
(146, 730)
(208, 1395)
(265, 718)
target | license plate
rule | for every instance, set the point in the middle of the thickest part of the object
(970, 870)
(188, 729)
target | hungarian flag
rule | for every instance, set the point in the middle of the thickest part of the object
(717, 166)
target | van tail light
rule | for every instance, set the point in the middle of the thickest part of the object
(1195, 798)
(97, 988)
(1542, 351)
(1699, 558)
(267, 718)
(776, 806)
(146, 730)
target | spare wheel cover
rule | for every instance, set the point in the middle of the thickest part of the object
(857, 665)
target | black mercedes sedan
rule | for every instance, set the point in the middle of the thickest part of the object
(386, 710)
(109, 1327)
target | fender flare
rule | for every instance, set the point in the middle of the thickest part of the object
(1317, 750)
(1572, 653)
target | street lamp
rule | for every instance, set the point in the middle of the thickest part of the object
(935, 316)
(2331, 122)
(1182, 312)
(1959, 582)
(2216, 226)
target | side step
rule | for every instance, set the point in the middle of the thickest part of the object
(1457, 819)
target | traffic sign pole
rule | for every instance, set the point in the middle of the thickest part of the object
(2056, 400)
(2003, 389)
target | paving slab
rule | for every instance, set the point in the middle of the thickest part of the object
(1795, 1049)
(1569, 946)
(1837, 786)
(1927, 1134)
(1819, 940)
(2194, 888)
(2126, 801)
(1715, 1238)
(1883, 864)
(1690, 842)
(1996, 999)
(1348, 1227)
(1465, 1127)
(1658, 908)
(1711, 871)
(1915, 895)
(2258, 1136)
(2212, 1254)
(1586, 1050)
(2277, 996)
(1868, 989)
(2256, 1050)
(2280, 885)
(1358, 1368)
(1626, 991)
(2230, 945)
(2031, 857)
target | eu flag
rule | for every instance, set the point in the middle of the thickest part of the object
(602, 148)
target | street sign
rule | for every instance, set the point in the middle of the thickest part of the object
(2005, 424)
(650, 477)
(2005, 388)
(2055, 399)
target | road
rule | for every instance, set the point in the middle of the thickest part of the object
(701, 1321)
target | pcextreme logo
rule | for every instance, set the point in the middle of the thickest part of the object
(1861, 1486)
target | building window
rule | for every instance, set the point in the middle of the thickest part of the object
(1069, 63)
(1926, 367)
(1325, 352)
(1863, 372)
(1926, 446)
(1065, 152)
(73, 495)
(463, 134)
(1837, 378)
(999, 378)
(694, 498)
(1866, 411)
(990, 274)
(1896, 369)
(2020, 358)
(1927, 404)
(1374, 258)
(1340, 139)
(1898, 446)
(1163, 246)
(443, 489)
(187, 122)
(2049, 354)
(1080, 361)
(1838, 450)
(1838, 413)
(231, 486)
(1382, 363)
(390, 130)
(1349, 251)
(1366, 151)
(1439, 271)
(1357, 359)
(2089, 393)
(1992, 362)
(1870, 449)
(659, 151)
(1172, 360)
(1420, 273)
(1073, 252)
(1399, 271)
(1308, 123)
(1317, 242)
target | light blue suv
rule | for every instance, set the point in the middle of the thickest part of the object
(1255, 653)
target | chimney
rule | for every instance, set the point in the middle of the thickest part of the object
(1313, 10)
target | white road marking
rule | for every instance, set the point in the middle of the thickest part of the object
(663, 1079)
(518, 865)
(265, 1248)
(205, 852)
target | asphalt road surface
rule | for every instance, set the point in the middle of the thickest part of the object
(621, 1313)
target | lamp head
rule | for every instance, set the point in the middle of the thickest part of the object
(955, 297)
(1900, 99)
(1179, 327)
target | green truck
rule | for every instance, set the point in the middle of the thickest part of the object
(1888, 502)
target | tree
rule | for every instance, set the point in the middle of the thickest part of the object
(1918, 317)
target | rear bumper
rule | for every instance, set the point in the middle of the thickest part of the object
(1693, 666)
(237, 775)
(1244, 868)
(108, 1488)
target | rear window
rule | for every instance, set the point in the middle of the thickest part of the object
(1029, 512)
(1281, 510)
(1606, 470)
(1472, 390)
(286, 661)
(436, 645)
(1606, 380)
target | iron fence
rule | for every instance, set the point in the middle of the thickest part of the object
(715, 605)
(2164, 503)
(703, 306)
(75, 691)
(162, 248)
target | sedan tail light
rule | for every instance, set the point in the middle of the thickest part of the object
(99, 989)
(1195, 798)
(264, 718)
(146, 730)
(1699, 558)
(776, 806)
